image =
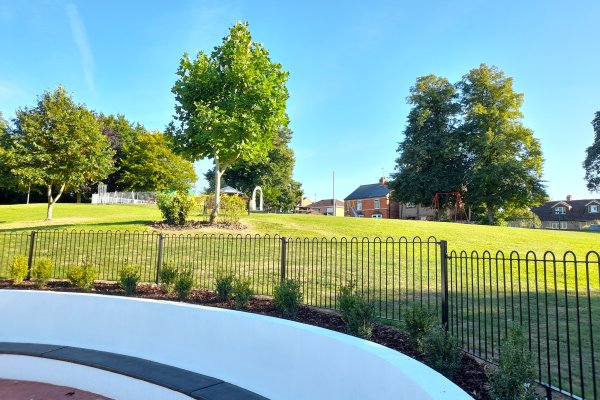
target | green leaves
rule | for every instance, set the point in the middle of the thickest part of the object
(58, 143)
(149, 164)
(592, 159)
(469, 138)
(231, 103)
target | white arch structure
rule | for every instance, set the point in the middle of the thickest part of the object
(253, 201)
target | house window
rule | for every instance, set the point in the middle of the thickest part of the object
(560, 210)
(593, 208)
(376, 204)
(411, 205)
(555, 225)
(563, 225)
(359, 205)
(378, 216)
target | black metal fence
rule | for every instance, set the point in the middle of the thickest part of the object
(477, 295)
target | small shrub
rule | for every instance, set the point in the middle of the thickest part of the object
(357, 313)
(418, 321)
(232, 208)
(82, 276)
(441, 351)
(175, 207)
(168, 276)
(42, 272)
(18, 269)
(515, 376)
(287, 297)
(224, 286)
(184, 285)
(129, 276)
(242, 292)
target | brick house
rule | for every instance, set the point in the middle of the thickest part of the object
(568, 214)
(325, 207)
(371, 201)
(416, 211)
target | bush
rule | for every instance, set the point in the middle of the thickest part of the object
(441, 351)
(287, 297)
(168, 276)
(184, 284)
(42, 272)
(18, 269)
(224, 286)
(418, 321)
(175, 207)
(357, 313)
(242, 292)
(515, 376)
(82, 276)
(232, 208)
(129, 276)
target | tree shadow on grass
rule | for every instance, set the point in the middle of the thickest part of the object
(84, 227)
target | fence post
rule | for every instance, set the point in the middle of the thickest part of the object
(30, 258)
(444, 270)
(284, 242)
(159, 258)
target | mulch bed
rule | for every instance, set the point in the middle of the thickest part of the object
(198, 225)
(471, 375)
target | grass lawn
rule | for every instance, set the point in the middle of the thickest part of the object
(459, 236)
(558, 309)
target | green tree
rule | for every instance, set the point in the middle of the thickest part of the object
(505, 160)
(120, 133)
(149, 164)
(592, 159)
(58, 144)
(431, 158)
(229, 105)
(274, 175)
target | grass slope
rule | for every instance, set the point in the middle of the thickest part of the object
(459, 236)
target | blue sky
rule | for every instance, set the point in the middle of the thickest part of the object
(351, 65)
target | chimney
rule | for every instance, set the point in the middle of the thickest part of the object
(382, 180)
(569, 197)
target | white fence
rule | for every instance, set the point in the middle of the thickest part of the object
(124, 198)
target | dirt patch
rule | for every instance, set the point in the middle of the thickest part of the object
(471, 376)
(200, 225)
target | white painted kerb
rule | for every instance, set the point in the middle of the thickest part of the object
(276, 358)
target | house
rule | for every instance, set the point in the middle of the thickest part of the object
(568, 214)
(325, 207)
(416, 211)
(371, 201)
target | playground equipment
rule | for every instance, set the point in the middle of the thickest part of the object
(253, 200)
(459, 208)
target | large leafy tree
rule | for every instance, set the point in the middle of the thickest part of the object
(229, 105)
(431, 158)
(58, 144)
(592, 159)
(274, 175)
(149, 164)
(505, 160)
(121, 133)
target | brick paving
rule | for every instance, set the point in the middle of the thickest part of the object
(26, 390)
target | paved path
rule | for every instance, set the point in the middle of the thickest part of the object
(25, 390)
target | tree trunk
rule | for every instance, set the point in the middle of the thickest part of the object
(78, 197)
(490, 214)
(217, 203)
(28, 192)
(52, 201)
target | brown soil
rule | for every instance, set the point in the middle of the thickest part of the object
(471, 376)
(199, 225)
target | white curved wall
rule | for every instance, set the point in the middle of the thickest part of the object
(276, 358)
